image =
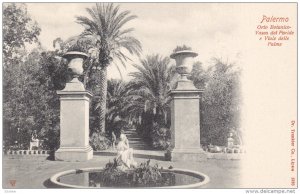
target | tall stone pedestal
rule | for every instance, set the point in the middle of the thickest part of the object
(185, 123)
(74, 123)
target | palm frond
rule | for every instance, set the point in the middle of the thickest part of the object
(104, 24)
(116, 20)
(131, 44)
(118, 68)
(120, 33)
(150, 84)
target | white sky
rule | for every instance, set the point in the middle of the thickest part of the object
(160, 27)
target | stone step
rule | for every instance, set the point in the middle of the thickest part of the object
(135, 141)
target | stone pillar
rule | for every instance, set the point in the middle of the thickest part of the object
(185, 113)
(74, 115)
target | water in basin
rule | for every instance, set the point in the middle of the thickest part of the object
(93, 179)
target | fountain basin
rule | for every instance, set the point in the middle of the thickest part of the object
(86, 178)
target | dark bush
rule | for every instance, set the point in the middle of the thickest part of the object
(161, 137)
(51, 138)
(99, 141)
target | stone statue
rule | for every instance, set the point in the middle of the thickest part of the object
(124, 153)
(34, 142)
(230, 140)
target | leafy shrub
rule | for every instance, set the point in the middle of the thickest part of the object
(147, 175)
(98, 141)
(51, 138)
(114, 176)
(161, 137)
(154, 133)
(143, 176)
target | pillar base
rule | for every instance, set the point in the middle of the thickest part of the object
(74, 154)
(196, 154)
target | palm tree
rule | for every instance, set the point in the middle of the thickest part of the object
(116, 98)
(105, 27)
(150, 86)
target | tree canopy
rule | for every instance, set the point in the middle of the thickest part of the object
(150, 85)
(18, 29)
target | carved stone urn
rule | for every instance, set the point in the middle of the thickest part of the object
(184, 64)
(75, 64)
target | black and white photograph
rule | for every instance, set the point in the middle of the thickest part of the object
(149, 95)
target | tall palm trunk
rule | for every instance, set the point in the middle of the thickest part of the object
(104, 30)
(104, 57)
(102, 99)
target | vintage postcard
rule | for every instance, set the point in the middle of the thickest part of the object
(150, 95)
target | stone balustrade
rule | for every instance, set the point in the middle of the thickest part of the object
(27, 152)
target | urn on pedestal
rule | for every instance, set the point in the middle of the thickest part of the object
(184, 64)
(74, 114)
(185, 112)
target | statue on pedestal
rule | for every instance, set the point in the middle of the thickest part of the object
(125, 153)
(34, 141)
(230, 140)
